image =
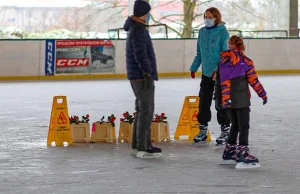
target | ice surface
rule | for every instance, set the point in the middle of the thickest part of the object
(28, 166)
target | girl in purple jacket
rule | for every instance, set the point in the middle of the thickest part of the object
(234, 75)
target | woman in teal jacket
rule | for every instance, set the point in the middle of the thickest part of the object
(212, 40)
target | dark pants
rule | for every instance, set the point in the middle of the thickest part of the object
(240, 119)
(207, 87)
(144, 106)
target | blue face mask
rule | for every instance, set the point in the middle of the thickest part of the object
(148, 18)
(209, 22)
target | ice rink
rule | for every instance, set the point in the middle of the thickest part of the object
(27, 165)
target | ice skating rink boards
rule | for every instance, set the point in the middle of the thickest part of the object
(25, 59)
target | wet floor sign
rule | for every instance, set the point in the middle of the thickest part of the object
(188, 122)
(59, 127)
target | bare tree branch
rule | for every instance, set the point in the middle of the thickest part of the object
(204, 2)
(165, 17)
(236, 5)
(112, 5)
(179, 22)
(196, 27)
(154, 7)
(197, 15)
(158, 22)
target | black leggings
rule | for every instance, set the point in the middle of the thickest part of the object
(240, 119)
(207, 87)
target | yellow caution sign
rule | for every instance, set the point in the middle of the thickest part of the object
(59, 127)
(188, 123)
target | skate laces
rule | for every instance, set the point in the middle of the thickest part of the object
(241, 150)
(230, 152)
(203, 127)
(223, 134)
(225, 128)
(202, 133)
(231, 148)
(245, 152)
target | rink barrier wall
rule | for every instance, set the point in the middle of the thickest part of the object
(25, 59)
(123, 76)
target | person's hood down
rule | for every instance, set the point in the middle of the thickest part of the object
(128, 23)
(132, 21)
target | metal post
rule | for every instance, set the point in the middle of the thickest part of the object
(130, 7)
(293, 20)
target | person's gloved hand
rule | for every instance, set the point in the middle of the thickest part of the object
(265, 100)
(193, 75)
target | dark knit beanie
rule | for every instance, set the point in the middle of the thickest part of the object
(141, 8)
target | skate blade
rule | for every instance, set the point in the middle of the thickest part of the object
(228, 162)
(220, 142)
(199, 143)
(242, 165)
(133, 153)
(146, 155)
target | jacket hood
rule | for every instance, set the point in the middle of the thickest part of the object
(127, 24)
(221, 25)
(234, 56)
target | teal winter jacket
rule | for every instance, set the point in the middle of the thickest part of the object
(211, 42)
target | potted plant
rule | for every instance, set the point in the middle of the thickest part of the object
(104, 130)
(125, 130)
(160, 128)
(80, 128)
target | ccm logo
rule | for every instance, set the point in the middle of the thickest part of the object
(50, 57)
(72, 62)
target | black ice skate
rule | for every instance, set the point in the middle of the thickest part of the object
(244, 159)
(153, 152)
(202, 135)
(229, 154)
(222, 139)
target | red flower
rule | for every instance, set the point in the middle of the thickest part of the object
(162, 114)
(156, 119)
(87, 115)
(134, 114)
(124, 114)
(112, 119)
(122, 120)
